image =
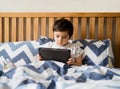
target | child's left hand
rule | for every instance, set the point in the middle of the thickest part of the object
(71, 61)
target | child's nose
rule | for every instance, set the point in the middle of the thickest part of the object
(60, 39)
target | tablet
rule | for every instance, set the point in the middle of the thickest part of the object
(61, 55)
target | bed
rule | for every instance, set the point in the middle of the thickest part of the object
(21, 34)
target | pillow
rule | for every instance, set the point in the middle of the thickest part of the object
(20, 53)
(97, 52)
(43, 39)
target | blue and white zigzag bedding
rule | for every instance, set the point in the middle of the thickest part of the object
(20, 53)
(56, 75)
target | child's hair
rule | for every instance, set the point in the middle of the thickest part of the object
(63, 25)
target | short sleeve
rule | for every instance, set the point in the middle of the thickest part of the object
(76, 50)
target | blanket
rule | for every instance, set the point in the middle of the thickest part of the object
(57, 75)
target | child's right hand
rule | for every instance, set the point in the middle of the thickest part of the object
(40, 58)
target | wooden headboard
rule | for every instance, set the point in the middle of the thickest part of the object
(29, 26)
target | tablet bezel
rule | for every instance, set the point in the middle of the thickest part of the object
(61, 55)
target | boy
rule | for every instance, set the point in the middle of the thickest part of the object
(63, 31)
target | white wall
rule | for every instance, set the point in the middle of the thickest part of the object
(59, 5)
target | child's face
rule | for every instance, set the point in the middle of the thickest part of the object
(61, 38)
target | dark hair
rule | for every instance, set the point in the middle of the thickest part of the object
(63, 25)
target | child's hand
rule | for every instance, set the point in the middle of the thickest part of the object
(40, 58)
(75, 61)
(71, 61)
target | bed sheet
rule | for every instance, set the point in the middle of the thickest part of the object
(57, 75)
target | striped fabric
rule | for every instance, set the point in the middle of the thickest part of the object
(19, 53)
(56, 75)
(97, 52)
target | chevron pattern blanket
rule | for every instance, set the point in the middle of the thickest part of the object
(56, 75)
(28, 73)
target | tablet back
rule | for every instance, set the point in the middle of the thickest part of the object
(61, 55)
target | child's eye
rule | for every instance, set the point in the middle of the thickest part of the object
(57, 36)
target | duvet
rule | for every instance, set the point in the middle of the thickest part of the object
(57, 75)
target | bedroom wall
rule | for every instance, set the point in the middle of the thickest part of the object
(59, 5)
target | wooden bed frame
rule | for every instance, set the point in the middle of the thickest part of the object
(30, 26)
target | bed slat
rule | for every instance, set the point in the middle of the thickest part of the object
(43, 26)
(117, 43)
(13, 29)
(20, 29)
(109, 28)
(6, 29)
(76, 31)
(28, 29)
(92, 28)
(101, 28)
(1, 29)
(50, 31)
(83, 28)
(35, 29)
